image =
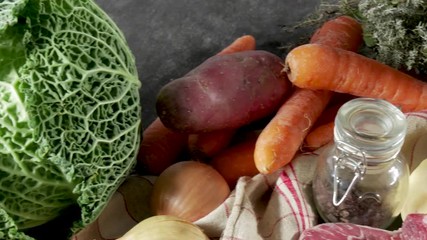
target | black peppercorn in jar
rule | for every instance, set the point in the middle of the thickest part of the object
(361, 177)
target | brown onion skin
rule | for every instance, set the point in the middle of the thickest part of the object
(189, 190)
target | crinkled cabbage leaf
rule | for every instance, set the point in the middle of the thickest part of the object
(69, 111)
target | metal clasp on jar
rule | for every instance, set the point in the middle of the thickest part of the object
(352, 158)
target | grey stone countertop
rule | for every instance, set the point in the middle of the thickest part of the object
(170, 37)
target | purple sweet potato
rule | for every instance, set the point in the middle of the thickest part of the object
(225, 91)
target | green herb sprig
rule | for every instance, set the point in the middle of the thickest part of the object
(396, 31)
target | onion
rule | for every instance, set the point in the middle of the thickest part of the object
(188, 190)
(164, 227)
(130, 203)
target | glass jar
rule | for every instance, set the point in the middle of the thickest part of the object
(361, 177)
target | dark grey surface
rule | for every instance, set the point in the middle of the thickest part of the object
(170, 37)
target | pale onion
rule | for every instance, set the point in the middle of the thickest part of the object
(130, 203)
(417, 192)
(189, 190)
(164, 227)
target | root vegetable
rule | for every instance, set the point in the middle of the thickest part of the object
(205, 145)
(236, 161)
(225, 91)
(188, 190)
(243, 43)
(283, 136)
(342, 32)
(323, 130)
(320, 136)
(160, 148)
(352, 73)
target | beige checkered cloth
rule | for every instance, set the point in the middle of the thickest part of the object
(275, 206)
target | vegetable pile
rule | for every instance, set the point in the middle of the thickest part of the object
(70, 114)
(218, 114)
(69, 111)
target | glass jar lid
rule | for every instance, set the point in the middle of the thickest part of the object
(374, 126)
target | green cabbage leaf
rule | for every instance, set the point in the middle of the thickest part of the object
(69, 111)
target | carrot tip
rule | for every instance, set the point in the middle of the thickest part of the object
(264, 169)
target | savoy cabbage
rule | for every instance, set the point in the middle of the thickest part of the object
(69, 111)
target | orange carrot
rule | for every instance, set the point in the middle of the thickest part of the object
(160, 148)
(207, 144)
(244, 43)
(317, 66)
(326, 118)
(282, 137)
(328, 115)
(342, 32)
(320, 136)
(236, 161)
(323, 129)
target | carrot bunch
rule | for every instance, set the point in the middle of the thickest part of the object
(327, 66)
(283, 136)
